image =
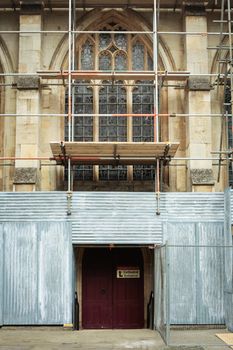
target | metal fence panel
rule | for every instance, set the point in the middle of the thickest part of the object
(160, 293)
(193, 206)
(196, 270)
(228, 292)
(229, 203)
(37, 273)
(210, 278)
(55, 273)
(1, 274)
(20, 273)
(33, 206)
(112, 217)
(182, 272)
(115, 217)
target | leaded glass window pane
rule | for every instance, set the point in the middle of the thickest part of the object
(104, 41)
(112, 100)
(143, 127)
(120, 61)
(105, 61)
(87, 56)
(111, 173)
(138, 56)
(121, 41)
(83, 125)
(112, 53)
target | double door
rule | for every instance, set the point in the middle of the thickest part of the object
(112, 288)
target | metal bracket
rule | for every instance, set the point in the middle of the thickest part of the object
(69, 202)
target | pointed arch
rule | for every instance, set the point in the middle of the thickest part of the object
(96, 19)
(5, 58)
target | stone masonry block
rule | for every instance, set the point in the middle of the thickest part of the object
(28, 83)
(199, 84)
(25, 176)
(202, 176)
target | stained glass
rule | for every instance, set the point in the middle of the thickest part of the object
(143, 127)
(104, 41)
(120, 61)
(105, 61)
(87, 57)
(112, 99)
(113, 51)
(138, 56)
(121, 41)
(83, 125)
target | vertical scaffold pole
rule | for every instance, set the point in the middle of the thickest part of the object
(156, 102)
(229, 20)
(69, 88)
(155, 68)
(230, 49)
(73, 66)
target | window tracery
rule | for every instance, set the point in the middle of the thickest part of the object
(108, 52)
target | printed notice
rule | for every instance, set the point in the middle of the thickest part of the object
(128, 273)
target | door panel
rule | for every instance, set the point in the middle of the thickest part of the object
(127, 292)
(108, 301)
(97, 289)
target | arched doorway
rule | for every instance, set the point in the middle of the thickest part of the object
(112, 288)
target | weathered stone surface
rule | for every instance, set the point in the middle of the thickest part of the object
(202, 176)
(25, 176)
(199, 84)
(28, 83)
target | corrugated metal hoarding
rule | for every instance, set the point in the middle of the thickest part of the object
(196, 270)
(112, 217)
(35, 249)
(229, 259)
(1, 275)
(36, 273)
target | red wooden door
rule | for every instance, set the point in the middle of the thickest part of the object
(128, 294)
(107, 300)
(97, 289)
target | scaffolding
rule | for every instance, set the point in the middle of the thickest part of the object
(175, 79)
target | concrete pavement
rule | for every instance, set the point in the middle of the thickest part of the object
(55, 338)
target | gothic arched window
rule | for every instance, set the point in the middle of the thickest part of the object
(119, 52)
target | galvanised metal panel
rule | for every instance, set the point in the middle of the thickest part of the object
(228, 239)
(20, 273)
(37, 272)
(228, 292)
(112, 217)
(55, 273)
(182, 272)
(210, 278)
(193, 206)
(115, 217)
(33, 206)
(196, 261)
(230, 204)
(1, 274)
(160, 288)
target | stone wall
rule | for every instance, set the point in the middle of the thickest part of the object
(30, 137)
